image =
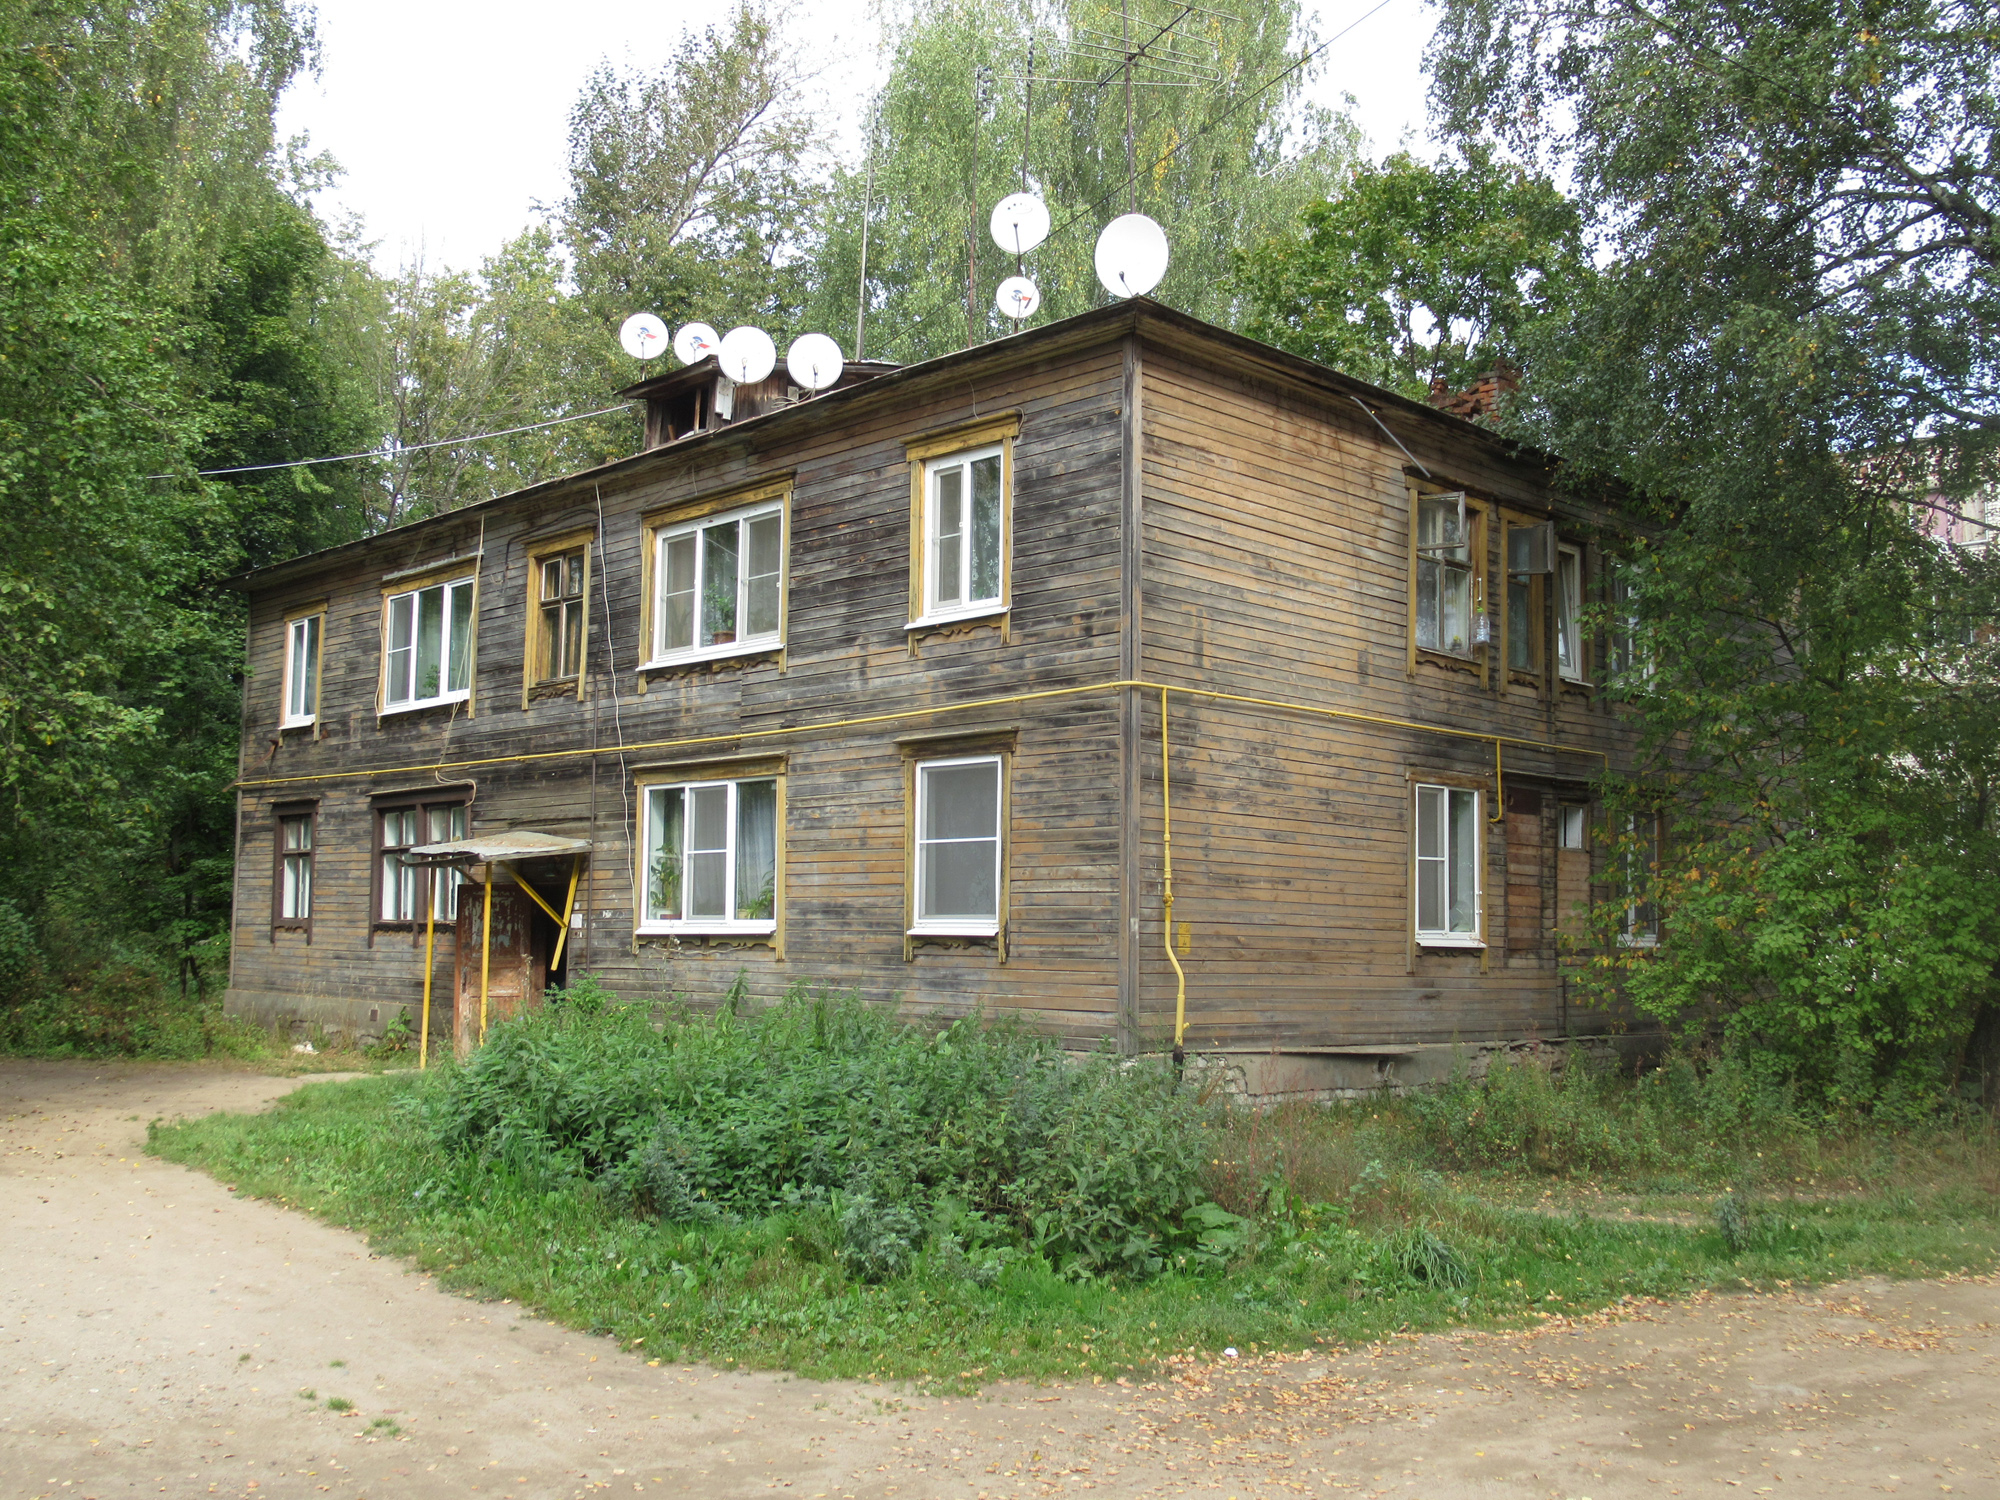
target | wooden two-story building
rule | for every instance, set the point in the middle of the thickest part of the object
(926, 686)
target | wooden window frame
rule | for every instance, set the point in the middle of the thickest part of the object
(733, 771)
(1541, 641)
(1478, 514)
(447, 578)
(708, 510)
(919, 758)
(422, 805)
(533, 683)
(295, 619)
(281, 814)
(1426, 940)
(927, 453)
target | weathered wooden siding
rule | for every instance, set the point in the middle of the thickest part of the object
(1276, 566)
(847, 655)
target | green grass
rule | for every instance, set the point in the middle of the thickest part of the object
(1368, 1219)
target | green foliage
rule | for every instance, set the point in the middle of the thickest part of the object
(1417, 274)
(1789, 361)
(878, 1241)
(1217, 162)
(1360, 1228)
(1091, 1161)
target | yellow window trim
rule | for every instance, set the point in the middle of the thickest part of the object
(773, 487)
(584, 539)
(942, 443)
(977, 433)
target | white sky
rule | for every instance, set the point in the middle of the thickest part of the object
(450, 118)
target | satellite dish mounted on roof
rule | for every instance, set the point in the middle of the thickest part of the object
(1131, 255)
(814, 361)
(1020, 222)
(747, 355)
(643, 336)
(695, 342)
(1017, 298)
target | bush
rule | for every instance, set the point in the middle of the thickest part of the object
(1093, 1161)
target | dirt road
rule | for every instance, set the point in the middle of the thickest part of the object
(160, 1337)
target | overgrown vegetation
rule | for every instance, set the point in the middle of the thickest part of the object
(813, 1187)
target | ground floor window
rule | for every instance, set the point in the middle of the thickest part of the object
(293, 906)
(402, 884)
(711, 856)
(1447, 866)
(1640, 925)
(958, 847)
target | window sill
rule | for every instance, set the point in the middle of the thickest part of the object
(1625, 940)
(959, 616)
(1456, 944)
(1436, 657)
(761, 646)
(297, 724)
(388, 710)
(955, 929)
(707, 929)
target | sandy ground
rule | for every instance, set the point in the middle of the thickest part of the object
(159, 1336)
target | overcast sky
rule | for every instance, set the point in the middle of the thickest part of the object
(449, 117)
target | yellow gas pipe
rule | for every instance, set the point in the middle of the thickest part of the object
(1167, 869)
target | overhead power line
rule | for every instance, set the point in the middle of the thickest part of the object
(340, 458)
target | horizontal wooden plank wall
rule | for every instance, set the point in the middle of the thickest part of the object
(848, 654)
(1276, 565)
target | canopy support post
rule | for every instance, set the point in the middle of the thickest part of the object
(430, 966)
(485, 952)
(569, 907)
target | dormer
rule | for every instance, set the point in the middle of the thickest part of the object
(700, 398)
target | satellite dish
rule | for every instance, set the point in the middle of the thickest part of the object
(1131, 255)
(814, 361)
(695, 343)
(1017, 298)
(644, 336)
(747, 354)
(1020, 222)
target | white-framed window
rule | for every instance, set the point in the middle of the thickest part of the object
(711, 856)
(719, 585)
(429, 645)
(1447, 867)
(958, 846)
(302, 670)
(965, 534)
(1569, 613)
(295, 867)
(402, 884)
(1444, 581)
(1639, 926)
(1572, 827)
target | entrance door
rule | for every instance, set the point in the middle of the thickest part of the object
(517, 965)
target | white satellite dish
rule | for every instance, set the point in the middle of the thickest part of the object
(643, 335)
(695, 342)
(814, 361)
(1020, 222)
(1017, 298)
(747, 354)
(1131, 255)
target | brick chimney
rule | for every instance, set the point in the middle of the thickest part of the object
(1484, 396)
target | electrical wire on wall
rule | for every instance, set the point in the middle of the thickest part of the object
(628, 828)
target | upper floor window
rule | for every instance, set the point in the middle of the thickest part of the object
(302, 637)
(429, 655)
(561, 605)
(1445, 574)
(719, 584)
(964, 534)
(711, 856)
(1569, 614)
(1447, 867)
(1530, 562)
(404, 886)
(959, 846)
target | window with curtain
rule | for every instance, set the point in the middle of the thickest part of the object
(1447, 866)
(1444, 574)
(402, 885)
(1569, 613)
(958, 846)
(711, 856)
(718, 585)
(295, 868)
(429, 657)
(1640, 925)
(965, 540)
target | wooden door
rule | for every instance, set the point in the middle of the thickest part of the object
(517, 966)
(1527, 923)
